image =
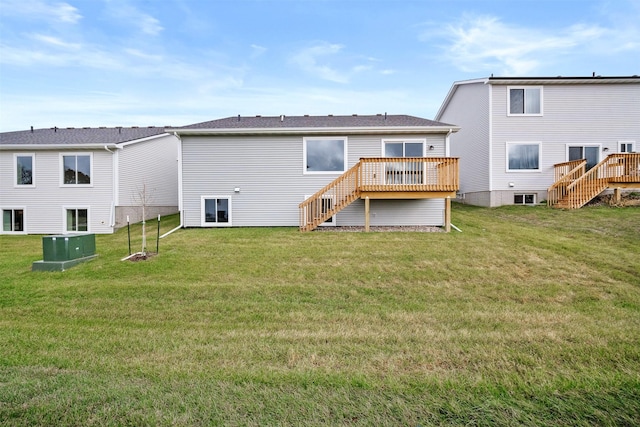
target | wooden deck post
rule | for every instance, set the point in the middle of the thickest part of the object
(447, 214)
(617, 195)
(366, 213)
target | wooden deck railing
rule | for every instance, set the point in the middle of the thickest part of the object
(379, 175)
(565, 174)
(385, 174)
(561, 170)
(624, 168)
(616, 169)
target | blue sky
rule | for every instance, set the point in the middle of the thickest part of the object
(174, 62)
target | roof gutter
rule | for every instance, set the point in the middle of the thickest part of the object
(32, 147)
(319, 131)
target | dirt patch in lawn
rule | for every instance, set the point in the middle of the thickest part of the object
(627, 199)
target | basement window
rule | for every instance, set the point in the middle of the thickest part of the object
(215, 211)
(13, 220)
(524, 199)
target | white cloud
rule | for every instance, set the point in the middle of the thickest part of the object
(37, 9)
(125, 12)
(485, 43)
(145, 56)
(308, 59)
(257, 50)
(317, 60)
(57, 42)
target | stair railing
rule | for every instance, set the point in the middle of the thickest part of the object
(330, 199)
(564, 174)
(592, 183)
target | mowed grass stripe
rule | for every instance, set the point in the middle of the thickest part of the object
(529, 316)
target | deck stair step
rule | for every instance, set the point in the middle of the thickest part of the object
(575, 186)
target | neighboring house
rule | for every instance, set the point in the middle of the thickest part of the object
(78, 180)
(519, 138)
(316, 170)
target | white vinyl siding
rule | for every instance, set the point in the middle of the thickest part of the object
(469, 108)
(152, 166)
(267, 171)
(585, 115)
(153, 162)
(44, 203)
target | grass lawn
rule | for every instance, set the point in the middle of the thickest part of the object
(530, 316)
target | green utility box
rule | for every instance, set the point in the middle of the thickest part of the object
(64, 251)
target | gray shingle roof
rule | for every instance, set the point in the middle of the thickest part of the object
(310, 122)
(77, 136)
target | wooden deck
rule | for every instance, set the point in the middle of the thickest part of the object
(574, 186)
(382, 178)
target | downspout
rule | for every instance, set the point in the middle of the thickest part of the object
(114, 183)
(180, 204)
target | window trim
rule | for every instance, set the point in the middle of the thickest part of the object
(524, 195)
(538, 143)
(61, 168)
(24, 219)
(33, 170)
(633, 146)
(411, 140)
(345, 165)
(596, 145)
(510, 114)
(203, 222)
(65, 228)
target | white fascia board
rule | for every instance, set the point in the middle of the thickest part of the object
(149, 138)
(452, 90)
(564, 81)
(40, 147)
(386, 130)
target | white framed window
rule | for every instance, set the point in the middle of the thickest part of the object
(13, 220)
(524, 199)
(324, 155)
(524, 101)
(75, 169)
(404, 172)
(627, 146)
(24, 169)
(523, 157)
(215, 211)
(76, 219)
(327, 203)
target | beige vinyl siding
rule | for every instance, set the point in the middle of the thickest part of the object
(577, 114)
(469, 109)
(268, 172)
(152, 163)
(44, 203)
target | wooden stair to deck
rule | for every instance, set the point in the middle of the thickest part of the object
(330, 200)
(575, 188)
